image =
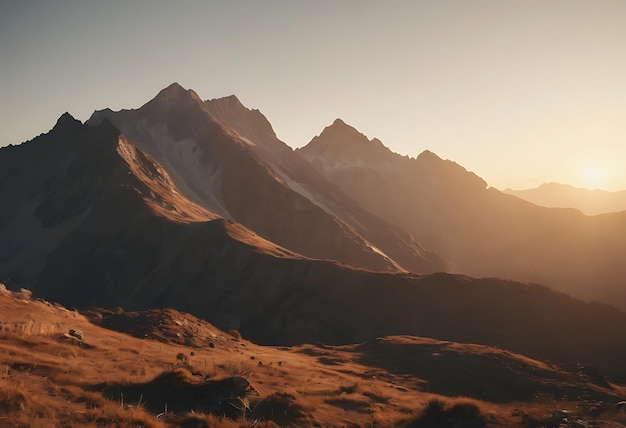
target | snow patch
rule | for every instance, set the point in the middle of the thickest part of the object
(386, 257)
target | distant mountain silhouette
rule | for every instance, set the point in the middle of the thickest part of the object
(478, 230)
(590, 202)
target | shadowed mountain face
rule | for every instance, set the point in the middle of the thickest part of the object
(227, 159)
(590, 202)
(88, 218)
(479, 230)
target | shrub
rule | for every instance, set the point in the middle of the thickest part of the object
(458, 413)
(234, 333)
(184, 359)
(11, 400)
(280, 408)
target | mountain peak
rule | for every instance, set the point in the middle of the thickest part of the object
(341, 132)
(175, 93)
(248, 123)
(229, 104)
(66, 121)
(428, 155)
(554, 185)
(343, 142)
(229, 99)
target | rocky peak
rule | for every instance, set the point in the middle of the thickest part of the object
(249, 123)
(427, 155)
(66, 122)
(344, 142)
(228, 102)
(447, 171)
(340, 132)
(175, 94)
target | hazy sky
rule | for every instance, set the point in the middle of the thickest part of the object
(520, 92)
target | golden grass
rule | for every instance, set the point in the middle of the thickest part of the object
(31, 328)
(46, 376)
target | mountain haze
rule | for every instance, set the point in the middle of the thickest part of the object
(478, 230)
(590, 202)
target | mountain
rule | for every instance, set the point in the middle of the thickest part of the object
(479, 230)
(227, 159)
(82, 202)
(590, 202)
(89, 219)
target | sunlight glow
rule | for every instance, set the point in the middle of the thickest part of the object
(594, 177)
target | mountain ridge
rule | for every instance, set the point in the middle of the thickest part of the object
(477, 229)
(205, 146)
(589, 202)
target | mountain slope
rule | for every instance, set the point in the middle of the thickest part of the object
(590, 202)
(111, 378)
(83, 209)
(228, 159)
(302, 178)
(479, 230)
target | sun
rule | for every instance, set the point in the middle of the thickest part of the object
(594, 177)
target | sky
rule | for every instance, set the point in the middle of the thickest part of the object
(519, 91)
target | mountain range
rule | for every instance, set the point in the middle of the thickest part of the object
(477, 229)
(590, 202)
(198, 206)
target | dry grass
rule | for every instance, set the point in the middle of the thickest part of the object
(282, 408)
(442, 413)
(12, 399)
(30, 328)
(47, 376)
(235, 369)
(67, 407)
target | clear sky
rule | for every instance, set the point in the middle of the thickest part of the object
(519, 91)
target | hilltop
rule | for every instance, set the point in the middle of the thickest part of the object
(167, 368)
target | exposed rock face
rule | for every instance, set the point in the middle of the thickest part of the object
(479, 230)
(227, 159)
(302, 178)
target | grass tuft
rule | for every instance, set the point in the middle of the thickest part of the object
(460, 412)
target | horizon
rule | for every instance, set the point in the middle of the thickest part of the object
(522, 93)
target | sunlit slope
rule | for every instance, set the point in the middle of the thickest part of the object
(131, 366)
(228, 159)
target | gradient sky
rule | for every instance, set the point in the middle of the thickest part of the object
(520, 92)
